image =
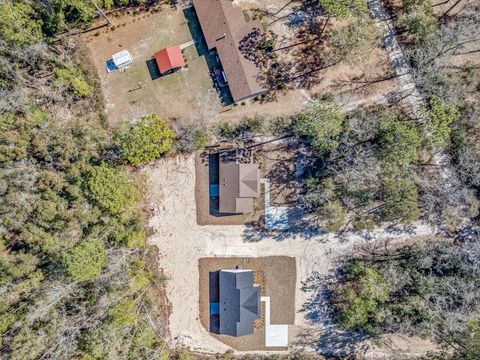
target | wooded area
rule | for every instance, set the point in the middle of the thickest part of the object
(388, 167)
(76, 276)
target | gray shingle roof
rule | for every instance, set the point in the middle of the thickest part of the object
(239, 302)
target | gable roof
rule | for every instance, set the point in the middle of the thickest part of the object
(225, 29)
(239, 302)
(238, 184)
(169, 58)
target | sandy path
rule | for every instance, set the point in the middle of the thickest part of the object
(171, 185)
(397, 56)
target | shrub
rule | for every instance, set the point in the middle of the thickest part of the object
(227, 130)
(17, 25)
(74, 82)
(344, 8)
(140, 281)
(399, 142)
(111, 189)
(438, 119)
(145, 338)
(401, 200)
(123, 313)
(419, 26)
(85, 261)
(201, 138)
(362, 299)
(145, 141)
(321, 123)
(132, 239)
(6, 321)
(257, 125)
(334, 216)
(95, 345)
(424, 5)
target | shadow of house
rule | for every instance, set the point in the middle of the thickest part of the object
(214, 300)
(211, 58)
(153, 69)
(214, 180)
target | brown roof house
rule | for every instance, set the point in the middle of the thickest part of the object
(239, 183)
(226, 31)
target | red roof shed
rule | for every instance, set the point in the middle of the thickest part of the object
(169, 58)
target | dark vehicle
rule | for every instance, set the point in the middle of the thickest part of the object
(219, 77)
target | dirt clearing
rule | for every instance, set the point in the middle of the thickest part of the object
(182, 243)
(178, 97)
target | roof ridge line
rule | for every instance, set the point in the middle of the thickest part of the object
(237, 51)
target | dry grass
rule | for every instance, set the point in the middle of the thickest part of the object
(133, 93)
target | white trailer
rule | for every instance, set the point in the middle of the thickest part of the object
(122, 60)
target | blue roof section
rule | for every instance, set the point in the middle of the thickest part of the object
(239, 302)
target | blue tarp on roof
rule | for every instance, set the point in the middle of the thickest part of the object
(110, 66)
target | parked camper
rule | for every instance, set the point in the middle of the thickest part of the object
(120, 61)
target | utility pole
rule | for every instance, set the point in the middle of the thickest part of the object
(100, 11)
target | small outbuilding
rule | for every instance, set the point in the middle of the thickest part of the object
(170, 59)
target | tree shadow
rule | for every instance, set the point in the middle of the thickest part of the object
(399, 229)
(318, 310)
(295, 65)
(279, 161)
(299, 226)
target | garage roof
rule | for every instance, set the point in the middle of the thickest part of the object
(169, 58)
